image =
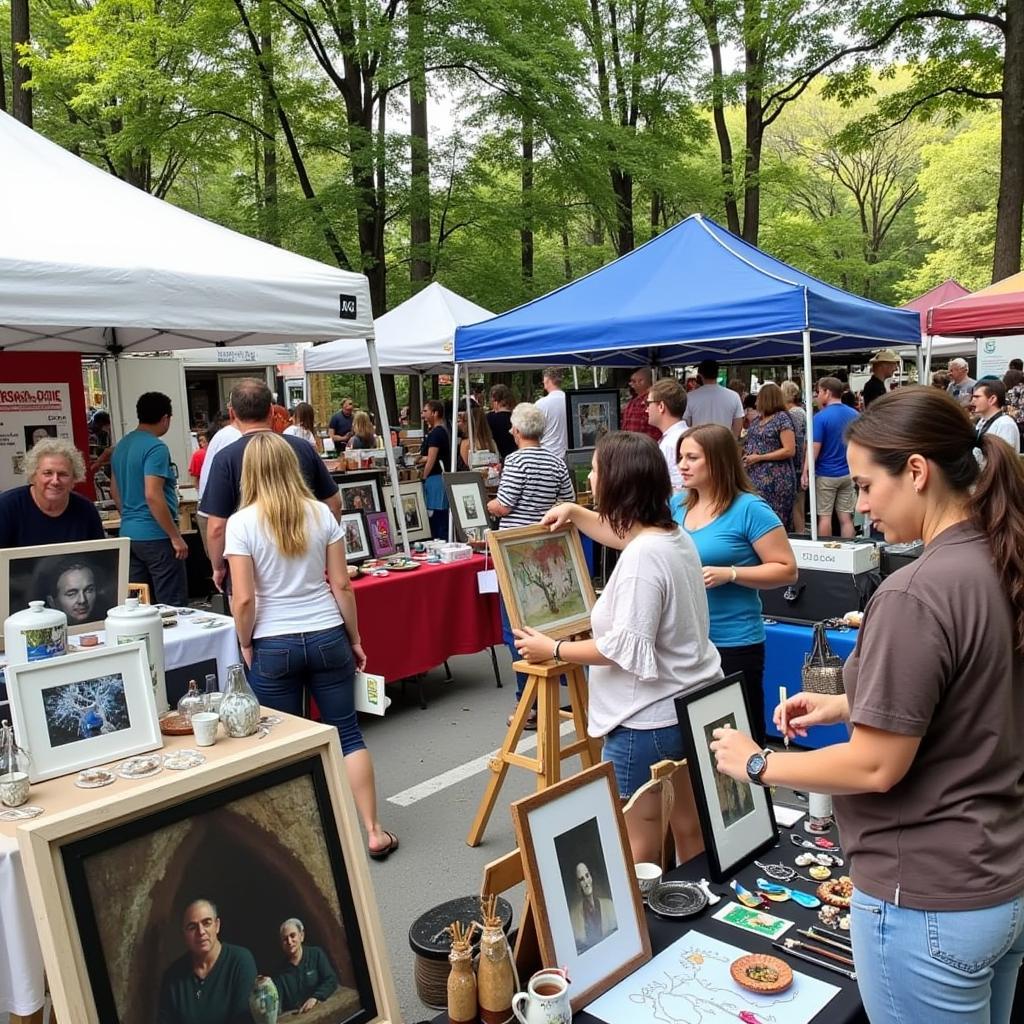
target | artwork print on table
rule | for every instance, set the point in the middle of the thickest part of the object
(357, 544)
(585, 884)
(82, 711)
(734, 798)
(768, 926)
(382, 541)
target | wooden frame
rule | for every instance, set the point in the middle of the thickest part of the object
(254, 822)
(417, 523)
(534, 558)
(355, 488)
(590, 414)
(381, 533)
(79, 710)
(573, 836)
(579, 461)
(31, 573)
(467, 499)
(357, 540)
(736, 818)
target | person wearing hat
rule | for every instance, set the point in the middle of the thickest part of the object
(884, 364)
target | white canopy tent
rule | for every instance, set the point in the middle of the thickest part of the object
(90, 264)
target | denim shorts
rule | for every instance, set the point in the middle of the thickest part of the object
(633, 751)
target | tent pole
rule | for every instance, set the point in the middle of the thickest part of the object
(593, 370)
(809, 402)
(469, 417)
(575, 379)
(919, 360)
(389, 450)
(927, 359)
(453, 428)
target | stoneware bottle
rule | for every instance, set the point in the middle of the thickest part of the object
(495, 983)
(461, 985)
(264, 1001)
(133, 621)
(239, 710)
(36, 633)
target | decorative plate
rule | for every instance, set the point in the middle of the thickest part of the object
(140, 767)
(173, 724)
(403, 566)
(677, 899)
(179, 760)
(759, 972)
(94, 778)
(836, 892)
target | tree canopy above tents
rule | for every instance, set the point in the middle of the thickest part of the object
(89, 263)
(694, 291)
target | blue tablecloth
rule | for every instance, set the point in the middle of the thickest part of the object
(786, 644)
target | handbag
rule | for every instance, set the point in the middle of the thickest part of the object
(823, 668)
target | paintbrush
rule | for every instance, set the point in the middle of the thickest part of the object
(811, 934)
(852, 975)
(782, 703)
(838, 936)
(818, 951)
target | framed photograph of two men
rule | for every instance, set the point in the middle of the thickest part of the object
(253, 860)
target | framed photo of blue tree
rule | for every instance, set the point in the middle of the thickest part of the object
(544, 579)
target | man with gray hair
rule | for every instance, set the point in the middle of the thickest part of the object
(48, 511)
(307, 977)
(961, 384)
(552, 405)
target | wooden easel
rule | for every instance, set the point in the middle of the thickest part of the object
(542, 686)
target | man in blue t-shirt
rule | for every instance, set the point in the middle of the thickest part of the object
(144, 485)
(834, 490)
(340, 427)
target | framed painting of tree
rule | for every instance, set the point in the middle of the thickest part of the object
(543, 578)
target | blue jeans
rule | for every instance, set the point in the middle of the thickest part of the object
(936, 967)
(282, 666)
(153, 562)
(633, 751)
(510, 643)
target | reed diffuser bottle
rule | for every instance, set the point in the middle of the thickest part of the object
(495, 982)
(462, 980)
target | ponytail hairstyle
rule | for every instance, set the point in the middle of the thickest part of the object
(928, 422)
(271, 481)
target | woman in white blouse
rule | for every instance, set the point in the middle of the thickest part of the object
(650, 629)
(303, 423)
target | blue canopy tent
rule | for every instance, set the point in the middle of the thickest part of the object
(696, 291)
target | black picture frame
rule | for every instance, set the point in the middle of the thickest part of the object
(467, 498)
(363, 485)
(590, 414)
(579, 460)
(737, 819)
(215, 856)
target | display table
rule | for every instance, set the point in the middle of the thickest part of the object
(786, 645)
(411, 622)
(21, 961)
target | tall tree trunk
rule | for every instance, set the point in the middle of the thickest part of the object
(526, 231)
(709, 16)
(421, 264)
(753, 74)
(21, 97)
(566, 254)
(271, 219)
(625, 236)
(1006, 259)
(3, 85)
(415, 408)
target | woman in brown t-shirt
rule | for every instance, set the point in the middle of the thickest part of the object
(930, 786)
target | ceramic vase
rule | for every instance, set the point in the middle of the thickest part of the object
(15, 766)
(264, 1002)
(133, 621)
(36, 633)
(239, 710)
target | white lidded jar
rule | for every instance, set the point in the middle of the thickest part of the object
(35, 633)
(133, 621)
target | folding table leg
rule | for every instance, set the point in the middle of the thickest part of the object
(494, 665)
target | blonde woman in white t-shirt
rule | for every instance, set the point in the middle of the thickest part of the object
(650, 630)
(296, 628)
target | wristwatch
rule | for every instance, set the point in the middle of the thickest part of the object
(756, 764)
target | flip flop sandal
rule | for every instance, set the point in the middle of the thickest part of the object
(386, 852)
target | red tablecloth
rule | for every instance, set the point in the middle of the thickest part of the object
(410, 622)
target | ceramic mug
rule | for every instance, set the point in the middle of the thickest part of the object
(648, 876)
(204, 725)
(545, 1001)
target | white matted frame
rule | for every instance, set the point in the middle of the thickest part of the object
(468, 501)
(102, 960)
(97, 569)
(84, 709)
(736, 818)
(573, 835)
(357, 541)
(413, 507)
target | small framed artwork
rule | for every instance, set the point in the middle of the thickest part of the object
(543, 578)
(736, 818)
(382, 536)
(357, 542)
(468, 501)
(579, 461)
(359, 492)
(84, 579)
(591, 413)
(579, 874)
(80, 710)
(250, 855)
(412, 507)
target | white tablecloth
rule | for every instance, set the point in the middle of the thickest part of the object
(21, 961)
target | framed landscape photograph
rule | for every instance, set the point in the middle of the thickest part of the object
(579, 875)
(84, 579)
(248, 847)
(736, 818)
(357, 543)
(382, 535)
(412, 507)
(544, 579)
(468, 500)
(579, 461)
(359, 492)
(80, 710)
(592, 413)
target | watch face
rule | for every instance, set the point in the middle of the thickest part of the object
(756, 765)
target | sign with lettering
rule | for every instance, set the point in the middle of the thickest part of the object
(347, 307)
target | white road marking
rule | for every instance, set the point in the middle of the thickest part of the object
(453, 776)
